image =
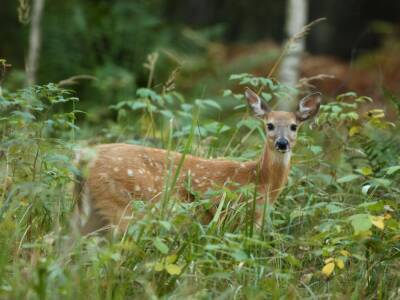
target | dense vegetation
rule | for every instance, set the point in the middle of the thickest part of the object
(334, 233)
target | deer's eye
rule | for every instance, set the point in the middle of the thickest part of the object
(293, 127)
(270, 126)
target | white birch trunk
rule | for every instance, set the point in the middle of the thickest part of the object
(296, 19)
(32, 61)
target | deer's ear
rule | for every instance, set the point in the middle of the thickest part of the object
(308, 107)
(259, 108)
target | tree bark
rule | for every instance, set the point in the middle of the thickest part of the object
(32, 61)
(297, 14)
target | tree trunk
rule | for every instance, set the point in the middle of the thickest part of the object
(297, 13)
(32, 61)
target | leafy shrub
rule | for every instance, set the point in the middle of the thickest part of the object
(334, 232)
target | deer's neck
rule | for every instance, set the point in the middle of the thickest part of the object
(274, 170)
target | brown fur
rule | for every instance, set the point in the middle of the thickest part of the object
(120, 173)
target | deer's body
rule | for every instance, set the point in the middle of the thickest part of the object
(120, 173)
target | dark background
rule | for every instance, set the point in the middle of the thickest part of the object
(207, 40)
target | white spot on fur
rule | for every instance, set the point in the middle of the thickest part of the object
(137, 188)
(116, 169)
(141, 171)
(130, 172)
(119, 158)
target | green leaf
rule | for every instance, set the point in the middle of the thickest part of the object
(266, 96)
(381, 182)
(171, 259)
(293, 260)
(161, 246)
(333, 208)
(315, 149)
(158, 267)
(239, 255)
(173, 269)
(227, 93)
(239, 76)
(348, 178)
(366, 171)
(360, 222)
(208, 102)
(137, 105)
(346, 95)
(392, 170)
(167, 225)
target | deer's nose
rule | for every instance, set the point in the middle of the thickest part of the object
(282, 144)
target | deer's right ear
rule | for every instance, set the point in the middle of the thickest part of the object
(259, 108)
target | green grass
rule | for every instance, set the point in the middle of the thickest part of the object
(340, 208)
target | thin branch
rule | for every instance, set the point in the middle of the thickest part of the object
(74, 80)
(301, 34)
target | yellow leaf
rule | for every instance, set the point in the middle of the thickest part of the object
(345, 253)
(387, 216)
(339, 262)
(328, 260)
(159, 267)
(376, 113)
(378, 221)
(171, 259)
(354, 130)
(366, 171)
(328, 269)
(173, 269)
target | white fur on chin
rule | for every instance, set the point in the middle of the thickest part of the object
(282, 158)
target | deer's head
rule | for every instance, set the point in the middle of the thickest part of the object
(282, 126)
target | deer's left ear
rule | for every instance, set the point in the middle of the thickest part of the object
(308, 107)
(259, 108)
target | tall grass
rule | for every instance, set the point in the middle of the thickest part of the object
(334, 232)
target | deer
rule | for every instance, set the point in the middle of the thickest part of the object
(118, 173)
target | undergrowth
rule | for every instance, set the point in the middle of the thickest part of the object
(334, 232)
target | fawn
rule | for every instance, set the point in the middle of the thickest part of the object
(120, 173)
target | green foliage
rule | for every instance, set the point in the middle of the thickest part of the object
(35, 158)
(334, 232)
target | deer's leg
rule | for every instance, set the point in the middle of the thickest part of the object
(94, 223)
